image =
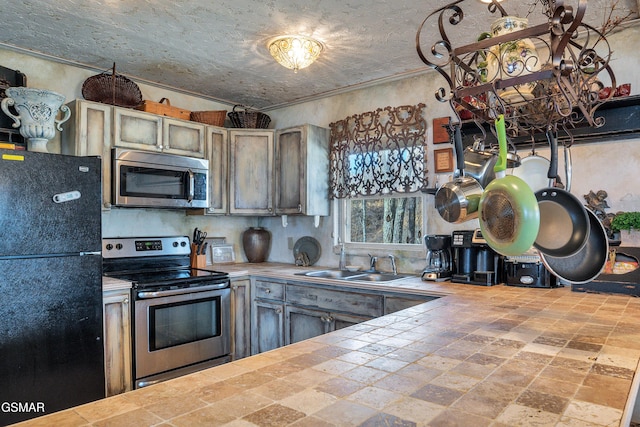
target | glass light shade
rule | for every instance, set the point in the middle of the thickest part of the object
(295, 52)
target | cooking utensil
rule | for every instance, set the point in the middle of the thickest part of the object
(457, 200)
(588, 262)
(198, 241)
(533, 170)
(508, 211)
(564, 224)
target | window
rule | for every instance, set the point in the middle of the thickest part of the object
(377, 168)
(396, 220)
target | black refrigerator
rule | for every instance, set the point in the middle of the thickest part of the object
(51, 344)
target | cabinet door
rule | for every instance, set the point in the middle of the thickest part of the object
(240, 318)
(267, 331)
(183, 138)
(218, 155)
(396, 302)
(117, 342)
(137, 130)
(303, 323)
(302, 170)
(339, 321)
(89, 134)
(251, 172)
(290, 172)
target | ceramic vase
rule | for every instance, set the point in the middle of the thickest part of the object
(512, 59)
(37, 114)
(256, 242)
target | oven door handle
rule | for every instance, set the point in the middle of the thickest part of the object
(160, 294)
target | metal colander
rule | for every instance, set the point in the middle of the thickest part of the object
(499, 217)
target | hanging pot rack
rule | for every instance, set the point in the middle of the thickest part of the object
(573, 55)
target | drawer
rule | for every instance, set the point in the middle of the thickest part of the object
(334, 300)
(268, 290)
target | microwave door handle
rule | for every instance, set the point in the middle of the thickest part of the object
(192, 184)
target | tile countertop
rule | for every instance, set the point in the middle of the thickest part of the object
(484, 356)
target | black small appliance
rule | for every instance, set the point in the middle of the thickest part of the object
(528, 271)
(474, 262)
(438, 258)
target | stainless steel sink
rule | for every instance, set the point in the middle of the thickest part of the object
(378, 277)
(361, 276)
(332, 274)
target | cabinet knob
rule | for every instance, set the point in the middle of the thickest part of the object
(279, 310)
(234, 287)
(267, 291)
(299, 207)
(125, 301)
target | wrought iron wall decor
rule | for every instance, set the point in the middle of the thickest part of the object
(557, 84)
(379, 152)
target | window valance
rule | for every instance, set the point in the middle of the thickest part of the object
(379, 152)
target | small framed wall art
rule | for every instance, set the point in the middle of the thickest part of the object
(440, 133)
(443, 160)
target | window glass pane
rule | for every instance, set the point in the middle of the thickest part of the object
(385, 220)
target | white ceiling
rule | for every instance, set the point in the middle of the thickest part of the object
(217, 48)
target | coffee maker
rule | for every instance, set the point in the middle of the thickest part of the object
(438, 257)
(474, 262)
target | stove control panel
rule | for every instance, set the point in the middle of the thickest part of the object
(127, 247)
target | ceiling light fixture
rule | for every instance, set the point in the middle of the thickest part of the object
(295, 52)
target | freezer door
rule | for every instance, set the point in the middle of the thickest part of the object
(49, 204)
(51, 333)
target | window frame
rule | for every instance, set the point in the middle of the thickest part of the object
(342, 217)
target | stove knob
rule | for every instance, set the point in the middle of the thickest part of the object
(118, 246)
(109, 246)
(183, 243)
(175, 244)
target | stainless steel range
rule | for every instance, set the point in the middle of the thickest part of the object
(181, 314)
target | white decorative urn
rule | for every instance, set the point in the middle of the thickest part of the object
(37, 114)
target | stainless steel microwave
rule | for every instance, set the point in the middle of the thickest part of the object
(147, 179)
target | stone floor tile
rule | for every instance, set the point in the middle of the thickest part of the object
(309, 377)
(517, 415)
(612, 371)
(542, 401)
(275, 415)
(335, 367)
(141, 417)
(419, 411)
(383, 419)
(278, 389)
(456, 381)
(553, 386)
(438, 362)
(117, 404)
(419, 372)
(604, 390)
(309, 401)
(437, 394)
(455, 418)
(345, 414)
(170, 407)
(399, 384)
(339, 386)
(374, 397)
(310, 422)
(593, 413)
(68, 418)
(386, 364)
(207, 416)
(364, 374)
(487, 399)
(358, 357)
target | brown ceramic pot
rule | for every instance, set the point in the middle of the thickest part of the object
(256, 242)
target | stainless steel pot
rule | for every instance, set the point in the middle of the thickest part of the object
(457, 201)
(479, 163)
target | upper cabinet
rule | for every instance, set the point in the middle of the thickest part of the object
(145, 131)
(302, 171)
(88, 133)
(217, 150)
(251, 160)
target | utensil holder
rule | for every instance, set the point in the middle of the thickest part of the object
(197, 261)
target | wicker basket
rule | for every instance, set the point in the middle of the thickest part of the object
(248, 119)
(164, 109)
(215, 118)
(111, 88)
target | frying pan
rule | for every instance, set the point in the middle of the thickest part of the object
(508, 211)
(586, 264)
(457, 200)
(564, 224)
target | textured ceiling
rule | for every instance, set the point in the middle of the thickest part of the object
(218, 48)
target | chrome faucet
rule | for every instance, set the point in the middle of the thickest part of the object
(393, 264)
(373, 260)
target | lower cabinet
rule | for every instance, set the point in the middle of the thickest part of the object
(240, 318)
(303, 323)
(117, 341)
(284, 313)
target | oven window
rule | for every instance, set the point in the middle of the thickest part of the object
(142, 182)
(183, 322)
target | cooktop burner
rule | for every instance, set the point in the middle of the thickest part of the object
(155, 262)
